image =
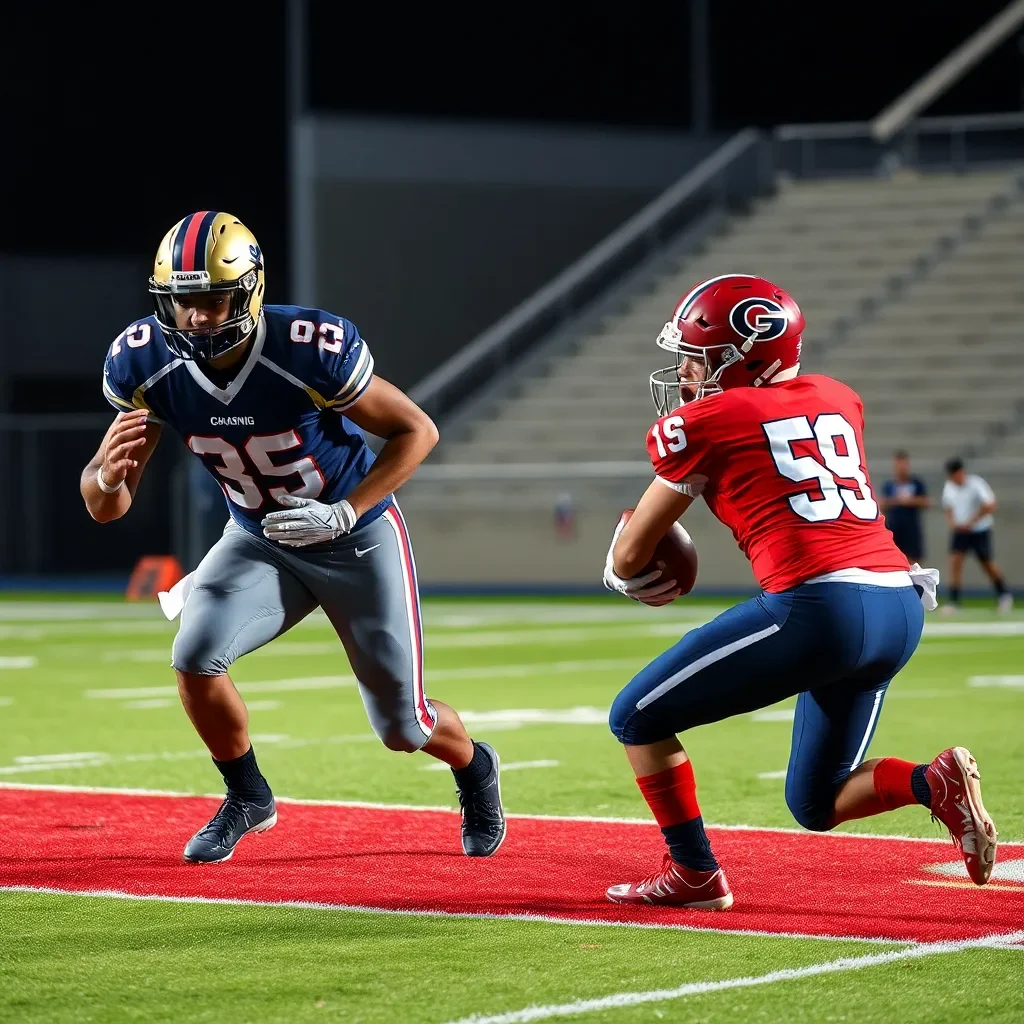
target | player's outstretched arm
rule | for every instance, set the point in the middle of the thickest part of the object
(660, 506)
(409, 435)
(109, 480)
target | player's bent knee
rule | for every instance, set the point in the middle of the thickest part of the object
(633, 727)
(195, 652)
(620, 718)
(815, 815)
(402, 739)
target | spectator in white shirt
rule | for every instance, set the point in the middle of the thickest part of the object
(969, 503)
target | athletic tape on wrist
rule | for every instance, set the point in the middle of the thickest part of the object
(103, 486)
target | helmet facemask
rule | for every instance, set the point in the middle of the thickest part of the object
(208, 343)
(670, 389)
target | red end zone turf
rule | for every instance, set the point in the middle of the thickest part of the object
(784, 882)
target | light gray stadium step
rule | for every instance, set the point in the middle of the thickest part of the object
(831, 244)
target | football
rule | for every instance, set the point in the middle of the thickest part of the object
(676, 550)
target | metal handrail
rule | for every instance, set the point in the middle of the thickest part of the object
(919, 126)
(898, 114)
(853, 147)
(440, 390)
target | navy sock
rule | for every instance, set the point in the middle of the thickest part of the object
(1000, 584)
(244, 778)
(919, 786)
(689, 846)
(476, 771)
(954, 595)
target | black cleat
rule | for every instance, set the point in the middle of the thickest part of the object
(483, 820)
(216, 840)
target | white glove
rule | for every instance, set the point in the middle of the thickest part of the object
(306, 521)
(649, 589)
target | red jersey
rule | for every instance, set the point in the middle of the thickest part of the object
(784, 470)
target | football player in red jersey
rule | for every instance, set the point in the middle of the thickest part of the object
(779, 458)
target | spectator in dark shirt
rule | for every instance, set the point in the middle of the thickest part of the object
(903, 498)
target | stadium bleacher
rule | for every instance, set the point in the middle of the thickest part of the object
(907, 283)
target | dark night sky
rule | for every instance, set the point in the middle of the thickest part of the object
(116, 126)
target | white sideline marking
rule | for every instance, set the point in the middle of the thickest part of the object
(772, 775)
(974, 629)
(26, 661)
(116, 627)
(782, 715)
(437, 640)
(166, 702)
(6, 702)
(56, 758)
(529, 918)
(273, 686)
(524, 614)
(1011, 682)
(68, 762)
(375, 806)
(50, 611)
(676, 626)
(472, 672)
(516, 717)
(511, 766)
(847, 963)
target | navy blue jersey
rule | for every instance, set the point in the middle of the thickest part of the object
(904, 520)
(278, 427)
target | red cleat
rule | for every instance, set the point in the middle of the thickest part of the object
(955, 783)
(677, 886)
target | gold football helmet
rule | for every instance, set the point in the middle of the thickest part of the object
(208, 252)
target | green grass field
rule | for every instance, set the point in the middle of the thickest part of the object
(87, 699)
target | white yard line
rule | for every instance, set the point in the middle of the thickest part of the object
(6, 702)
(507, 766)
(21, 661)
(373, 805)
(779, 715)
(623, 999)
(574, 922)
(1006, 682)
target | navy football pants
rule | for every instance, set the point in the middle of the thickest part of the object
(837, 645)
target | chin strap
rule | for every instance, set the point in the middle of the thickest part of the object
(788, 374)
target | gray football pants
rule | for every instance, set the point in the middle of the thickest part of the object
(249, 590)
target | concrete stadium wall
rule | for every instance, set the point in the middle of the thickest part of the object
(465, 547)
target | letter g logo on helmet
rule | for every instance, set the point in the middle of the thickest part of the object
(764, 318)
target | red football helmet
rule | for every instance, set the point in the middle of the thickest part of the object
(744, 329)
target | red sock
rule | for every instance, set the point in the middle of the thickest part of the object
(891, 779)
(671, 794)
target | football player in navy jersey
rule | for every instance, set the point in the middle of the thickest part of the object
(272, 399)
